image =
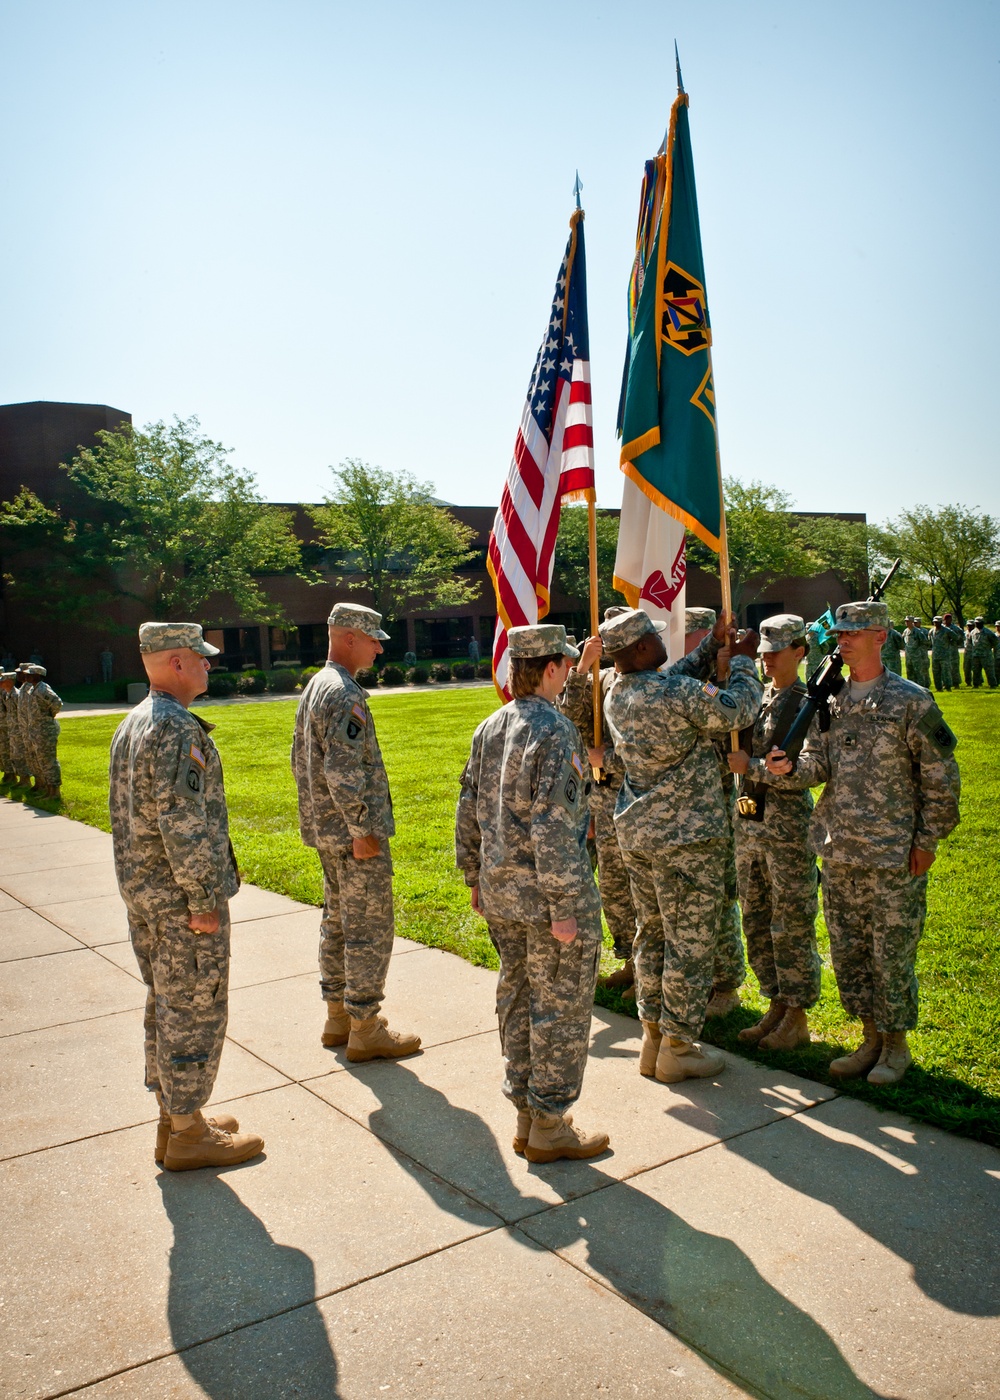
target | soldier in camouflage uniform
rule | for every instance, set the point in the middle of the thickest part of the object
(982, 655)
(43, 728)
(177, 872)
(817, 652)
(26, 725)
(894, 644)
(777, 871)
(576, 702)
(942, 646)
(967, 642)
(7, 769)
(672, 827)
(892, 791)
(917, 644)
(954, 658)
(520, 842)
(345, 812)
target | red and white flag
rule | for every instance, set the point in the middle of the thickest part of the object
(650, 567)
(553, 460)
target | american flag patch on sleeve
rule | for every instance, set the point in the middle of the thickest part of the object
(198, 756)
(358, 711)
(710, 689)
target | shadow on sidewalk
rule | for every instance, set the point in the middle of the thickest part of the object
(225, 1269)
(698, 1286)
(921, 1193)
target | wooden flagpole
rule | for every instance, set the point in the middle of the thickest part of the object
(594, 621)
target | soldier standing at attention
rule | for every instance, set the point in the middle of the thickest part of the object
(776, 869)
(942, 643)
(892, 790)
(576, 703)
(6, 762)
(177, 873)
(917, 643)
(967, 645)
(957, 637)
(983, 654)
(45, 705)
(521, 844)
(24, 717)
(894, 643)
(673, 827)
(345, 812)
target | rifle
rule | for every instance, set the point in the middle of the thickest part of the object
(824, 683)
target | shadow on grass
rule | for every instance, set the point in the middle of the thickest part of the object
(929, 1095)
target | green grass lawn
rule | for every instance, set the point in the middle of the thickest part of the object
(956, 1080)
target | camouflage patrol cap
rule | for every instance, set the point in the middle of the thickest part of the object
(615, 611)
(980, 621)
(780, 631)
(8, 675)
(174, 636)
(861, 617)
(35, 670)
(698, 620)
(937, 619)
(626, 629)
(358, 619)
(544, 639)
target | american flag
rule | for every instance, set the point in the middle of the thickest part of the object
(553, 459)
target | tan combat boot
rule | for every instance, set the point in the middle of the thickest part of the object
(522, 1132)
(225, 1122)
(770, 1021)
(338, 1025)
(861, 1060)
(621, 980)
(651, 1037)
(793, 1032)
(894, 1061)
(203, 1145)
(553, 1138)
(721, 1002)
(681, 1059)
(373, 1040)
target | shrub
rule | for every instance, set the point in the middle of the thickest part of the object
(221, 684)
(464, 670)
(251, 683)
(120, 691)
(417, 675)
(367, 676)
(485, 670)
(392, 674)
(440, 671)
(283, 682)
(308, 674)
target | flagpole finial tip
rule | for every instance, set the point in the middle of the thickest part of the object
(577, 187)
(677, 62)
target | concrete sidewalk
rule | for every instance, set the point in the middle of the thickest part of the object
(755, 1236)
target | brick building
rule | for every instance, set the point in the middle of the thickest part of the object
(36, 437)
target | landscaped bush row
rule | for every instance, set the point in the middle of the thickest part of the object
(285, 680)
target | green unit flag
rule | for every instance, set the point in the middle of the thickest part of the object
(669, 443)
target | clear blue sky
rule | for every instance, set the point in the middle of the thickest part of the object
(332, 229)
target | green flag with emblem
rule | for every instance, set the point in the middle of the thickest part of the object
(667, 418)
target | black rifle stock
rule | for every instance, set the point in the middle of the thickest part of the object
(825, 682)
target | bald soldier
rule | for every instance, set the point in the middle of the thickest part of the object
(345, 812)
(673, 829)
(177, 873)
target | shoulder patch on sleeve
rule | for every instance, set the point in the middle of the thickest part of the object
(191, 772)
(570, 786)
(354, 724)
(935, 729)
(710, 689)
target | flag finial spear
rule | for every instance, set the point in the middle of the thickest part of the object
(577, 187)
(677, 61)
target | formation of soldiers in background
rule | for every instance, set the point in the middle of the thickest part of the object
(29, 731)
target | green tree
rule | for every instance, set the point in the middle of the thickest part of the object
(572, 557)
(841, 547)
(157, 516)
(950, 555)
(764, 541)
(389, 537)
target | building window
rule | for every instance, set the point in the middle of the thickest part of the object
(239, 647)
